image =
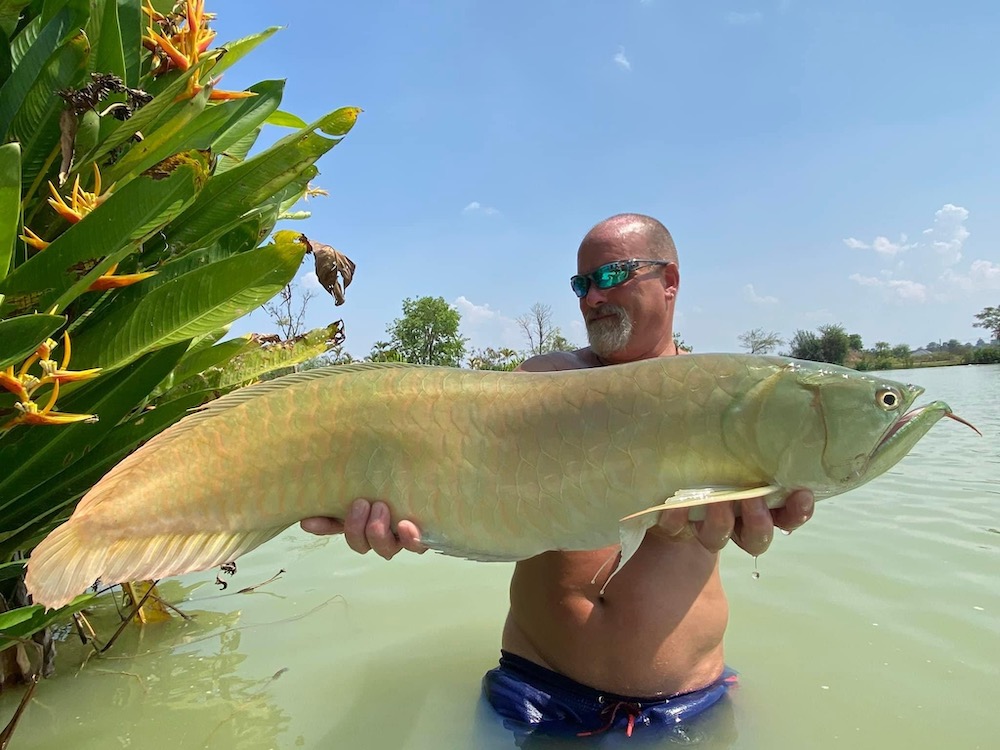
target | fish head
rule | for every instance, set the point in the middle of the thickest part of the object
(829, 428)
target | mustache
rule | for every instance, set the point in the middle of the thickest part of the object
(603, 311)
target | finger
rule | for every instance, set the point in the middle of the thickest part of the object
(409, 537)
(380, 534)
(798, 509)
(717, 527)
(675, 524)
(354, 526)
(322, 525)
(755, 528)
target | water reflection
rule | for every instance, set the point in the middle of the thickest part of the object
(176, 684)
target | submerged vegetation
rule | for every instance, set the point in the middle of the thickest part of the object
(135, 227)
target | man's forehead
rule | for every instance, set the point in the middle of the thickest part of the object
(598, 249)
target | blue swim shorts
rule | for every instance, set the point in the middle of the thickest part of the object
(533, 699)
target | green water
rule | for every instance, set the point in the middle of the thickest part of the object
(875, 626)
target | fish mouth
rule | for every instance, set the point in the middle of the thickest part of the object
(904, 433)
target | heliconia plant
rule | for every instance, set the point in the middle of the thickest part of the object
(135, 227)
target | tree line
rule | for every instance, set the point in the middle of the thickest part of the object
(832, 343)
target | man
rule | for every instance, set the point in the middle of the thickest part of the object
(650, 650)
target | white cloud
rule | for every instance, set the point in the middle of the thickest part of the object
(985, 273)
(949, 234)
(741, 19)
(311, 281)
(478, 208)
(881, 245)
(485, 326)
(757, 299)
(908, 290)
(865, 280)
(982, 275)
(904, 289)
(621, 60)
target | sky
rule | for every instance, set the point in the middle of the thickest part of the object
(816, 162)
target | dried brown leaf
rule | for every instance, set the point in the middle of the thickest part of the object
(68, 123)
(332, 266)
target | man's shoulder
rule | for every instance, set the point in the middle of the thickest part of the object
(551, 361)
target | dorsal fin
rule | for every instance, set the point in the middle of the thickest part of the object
(242, 395)
(248, 393)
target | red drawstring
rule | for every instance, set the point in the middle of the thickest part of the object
(634, 711)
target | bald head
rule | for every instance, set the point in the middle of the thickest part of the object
(654, 236)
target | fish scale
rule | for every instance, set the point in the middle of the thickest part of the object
(490, 465)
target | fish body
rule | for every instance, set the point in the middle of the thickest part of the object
(490, 465)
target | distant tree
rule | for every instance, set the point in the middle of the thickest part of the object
(989, 318)
(536, 325)
(902, 353)
(288, 311)
(680, 344)
(335, 356)
(495, 359)
(806, 345)
(560, 343)
(759, 341)
(427, 334)
(834, 343)
(854, 342)
(541, 334)
(383, 351)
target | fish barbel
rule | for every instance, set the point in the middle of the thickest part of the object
(490, 465)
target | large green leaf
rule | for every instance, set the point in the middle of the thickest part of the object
(19, 337)
(36, 125)
(228, 197)
(130, 24)
(150, 116)
(286, 120)
(236, 50)
(18, 624)
(10, 202)
(27, 71)
(237, 152)
(56, 276)
(104, 29)
(10, 14)
(205, 359)
(187, 306)
(239, 117)
(40, 453)
(165, 140)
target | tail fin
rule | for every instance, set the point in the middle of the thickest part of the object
(66, 564)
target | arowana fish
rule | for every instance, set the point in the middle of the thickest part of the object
(490, 465)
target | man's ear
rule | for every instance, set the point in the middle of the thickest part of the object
(671, 279)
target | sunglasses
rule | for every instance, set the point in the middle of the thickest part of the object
(610, 274)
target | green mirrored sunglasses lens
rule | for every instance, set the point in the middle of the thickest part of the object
(580, 284)
(609, 277)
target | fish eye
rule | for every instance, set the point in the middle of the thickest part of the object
(888, 398)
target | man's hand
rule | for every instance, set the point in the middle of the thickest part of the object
(753, 530)
(367, 527)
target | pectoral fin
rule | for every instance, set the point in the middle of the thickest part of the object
(632, 531)
(706, 496)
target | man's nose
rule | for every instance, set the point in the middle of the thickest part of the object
(595, 296)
